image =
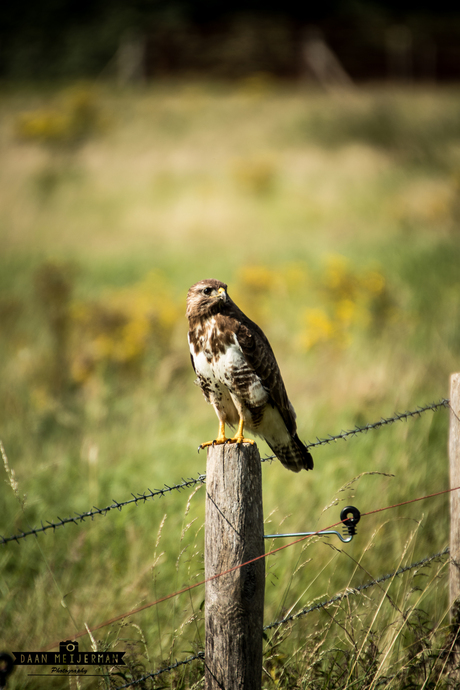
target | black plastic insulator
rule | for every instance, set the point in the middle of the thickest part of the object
(352, 517)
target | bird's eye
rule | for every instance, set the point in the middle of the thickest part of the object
(207, 291)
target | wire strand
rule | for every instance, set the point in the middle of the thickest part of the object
(283, 621)
(358, 589)
(81, 517)
(186, 483)
(240, 565)
(166, 669)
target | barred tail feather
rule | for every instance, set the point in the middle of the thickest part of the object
(294, 456)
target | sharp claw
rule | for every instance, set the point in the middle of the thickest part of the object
(220, 441)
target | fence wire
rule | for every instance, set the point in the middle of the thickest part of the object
(81, 517)
(186, 483)
(356, 590)
(153, 674)
(384, 421)
(309, 609)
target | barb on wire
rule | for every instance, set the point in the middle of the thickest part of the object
(356, 590)
(397, 417)
(384, 421)
(217, 575)
(303, 612)
(80, 517)
(189, 659)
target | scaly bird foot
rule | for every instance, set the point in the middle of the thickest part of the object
(220, 442)
(221, 438)
(217, 442)
(240, 439)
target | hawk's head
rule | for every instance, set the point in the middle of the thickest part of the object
(206, 298)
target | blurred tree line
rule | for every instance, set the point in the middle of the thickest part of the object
(145, 39)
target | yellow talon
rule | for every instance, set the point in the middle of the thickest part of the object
(239, 437)
(221, 438)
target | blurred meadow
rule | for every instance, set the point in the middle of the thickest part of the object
(335, 220)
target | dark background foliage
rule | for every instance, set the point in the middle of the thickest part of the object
(70, 38)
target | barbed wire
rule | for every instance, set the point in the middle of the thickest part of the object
(321, 605)
(357, 590)
(177, 664)
(188, 588)
(81, 517)
(186, 483)
(384, 421)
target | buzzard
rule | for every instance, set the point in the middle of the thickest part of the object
(238, 374)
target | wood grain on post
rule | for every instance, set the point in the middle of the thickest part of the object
(234, 534)
(454, 463)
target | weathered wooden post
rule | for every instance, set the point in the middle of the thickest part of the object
(454, 463)
(234, 534)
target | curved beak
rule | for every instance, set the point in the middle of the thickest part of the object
(222, 294)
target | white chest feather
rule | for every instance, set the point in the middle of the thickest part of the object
(228, 368)
(218, 365)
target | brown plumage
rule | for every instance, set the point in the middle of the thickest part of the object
(238, 374)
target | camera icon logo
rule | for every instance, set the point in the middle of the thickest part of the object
(68, 647)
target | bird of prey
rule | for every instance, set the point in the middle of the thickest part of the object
(238, 374)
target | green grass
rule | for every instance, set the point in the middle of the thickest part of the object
(335, 222)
